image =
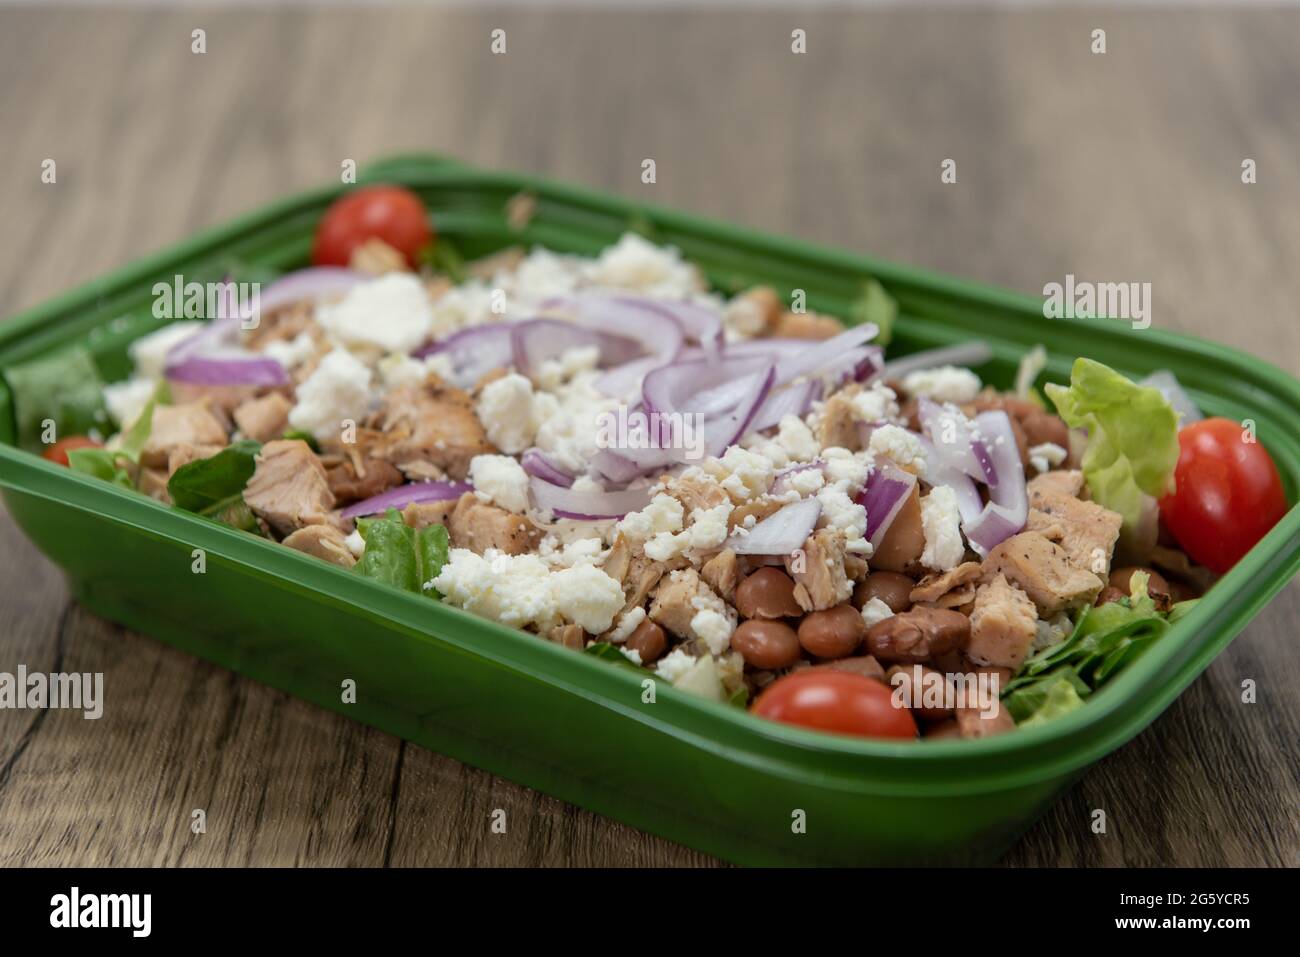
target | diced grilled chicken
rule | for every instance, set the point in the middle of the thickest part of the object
(1043, 571)
(820, 581)
(1086, 530)
(433, 423)
(355, 478)
(289, 490)
(191, 423)
(1064, 481)
(838, 425)
(185, 453)
(722, 573)
(934, 586)
(1002, 626)
(264, 418)
(674, 603)
(423, 514)
(323, 541)
(478, 527)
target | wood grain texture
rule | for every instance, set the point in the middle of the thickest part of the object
(1124, 166)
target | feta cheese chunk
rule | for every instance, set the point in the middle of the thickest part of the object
(337, 391)
(500, 480)
(943, 384)
(1047, 456)
(941, 523)
(391, 312)
(875, 611)
(505, 407)
(126, 400)
(899, 445)
(586, 596)
(149, 353)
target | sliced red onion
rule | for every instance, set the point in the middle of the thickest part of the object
(474, 352)
(794, 399)
(1169, 386)
(536, 340)
(228, 370)
(651, 323)
(940, 472)
(959, 451)
(725, 430)
(536, 463)
(825, 353)
(625, 380)
(584, 505)
(316, 283)
(405, 495)
(1008, 507)
(694, 386)
(781, 532)
(884, 495)
(962, 354)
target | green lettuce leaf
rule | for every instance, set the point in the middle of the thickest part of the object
(64, 387)
(108, 464)
(875, 305)
(1132, 437)
(400, 555)
(213, 485)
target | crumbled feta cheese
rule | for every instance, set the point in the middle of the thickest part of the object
(149, 353)
(674, 665)
(943, 384)
(632, 655)
(1051, 632)
(580, 551)
(337, 390)
(664, 514)
(708, 529)
(878, 403)
(845, 469)
(1047, 456)
(744, 317)
(126, 400)
(554, 373)
(900, 445)
(500, 480)
(505, 407)
(702, 679)
(714, 629)
(636, 263)
(569, 422)
(797, 439)
(628, 623)
(875, 611)
(941, 523)
(839, 511)
(512, 589)
(356, 543)
(540, 276)
(391, 312)
(586, 596)
(806, 481)
(744, 474)
(291, 353)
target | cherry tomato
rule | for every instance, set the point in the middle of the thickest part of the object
(391, 213)
(1227, 493)
(58, 452)
(836, 701)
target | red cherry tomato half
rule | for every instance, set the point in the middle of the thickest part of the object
(836, 701)
(1228, 493)
(391, 213)
(58, 452)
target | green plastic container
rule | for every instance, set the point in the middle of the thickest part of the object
(705, 774)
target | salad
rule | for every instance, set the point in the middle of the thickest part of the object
(734, 495)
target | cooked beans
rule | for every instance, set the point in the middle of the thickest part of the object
(768, 645)
(649, 641)
(892, 588)
(834, 633)
(767, 593)
(1156, 585)
(918, 635)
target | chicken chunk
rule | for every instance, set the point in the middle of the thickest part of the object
(433, 423)
(1086, 530)
(423, 514)
(838, 425)
(674, 604)
(643, 574)
(703, 493)
(820, 581)
(934, 586)
(193, 423)
(1043, 571)
(185, 453)
(264, 418)
(722, 573)
(288, 489)
(1002, 626)
(324, 542)
(353, 480)
(1064, 481)
(478, 527)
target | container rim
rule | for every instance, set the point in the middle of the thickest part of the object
(1111, 716)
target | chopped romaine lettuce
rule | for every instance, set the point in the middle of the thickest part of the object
(402, 556)
(213, 485)
(1132, 437)
(107, 464)
(63, 388)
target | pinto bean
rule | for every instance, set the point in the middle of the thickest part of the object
(893, 588)
(767, 593)
(832, 633)
(767, 645)
(648, 640)
(917, 635)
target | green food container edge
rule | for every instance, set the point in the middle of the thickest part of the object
(705, 774)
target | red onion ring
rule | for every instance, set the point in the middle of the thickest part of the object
(405, 495)
(781, 532)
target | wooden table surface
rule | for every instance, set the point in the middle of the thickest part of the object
(1123, 166)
